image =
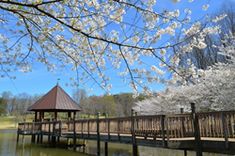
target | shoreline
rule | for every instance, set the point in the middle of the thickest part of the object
(7, 122)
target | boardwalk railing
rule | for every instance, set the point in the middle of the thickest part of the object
(211, 125)
(217, 124)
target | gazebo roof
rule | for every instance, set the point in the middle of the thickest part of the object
(55, 100)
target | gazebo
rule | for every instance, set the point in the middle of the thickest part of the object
(55, 101)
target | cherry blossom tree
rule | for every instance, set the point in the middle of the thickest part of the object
(93, 37)
(213, 90)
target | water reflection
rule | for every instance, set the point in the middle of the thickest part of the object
(8, 147)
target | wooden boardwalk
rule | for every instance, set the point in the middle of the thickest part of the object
(213, 131)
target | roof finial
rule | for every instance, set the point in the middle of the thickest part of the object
(58, 80)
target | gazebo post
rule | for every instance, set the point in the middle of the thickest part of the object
(74, 115)
(69, 115)
(74, 131)
(33, 135)
(40, 119)
(35, 117)
(55, 116)
(43, 116)
(40, 116)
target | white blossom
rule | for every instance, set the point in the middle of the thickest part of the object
(94, 37)
(157, 70)
(213, 89)
(205, 7)
(219, 18)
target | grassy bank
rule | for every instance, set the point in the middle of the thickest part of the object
(7, 122)
(11, 122)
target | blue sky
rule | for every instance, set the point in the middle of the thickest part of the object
(39, 81)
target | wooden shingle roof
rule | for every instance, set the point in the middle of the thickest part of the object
(55, 100)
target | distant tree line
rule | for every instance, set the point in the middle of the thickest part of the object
(16, 105)
(113, 105)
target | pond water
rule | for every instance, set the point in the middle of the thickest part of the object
(9, 147)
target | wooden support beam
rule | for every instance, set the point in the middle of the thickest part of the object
(134, 150)
(108, 125)
(182, 121)
(33, 138)
(53, 139)
(98, 134)
(69, 115)
(185, 152)
(132, 126)
(74, 132)
(74, 116)
(40, 135)
(38, 139)
(134, 145)
(60, 131)
(198, 143)
(18, 135)
(118, 129)
(74, 136)
(33, 128)
(40, 116)
(43, 114)
(58, 139)
(82, 127)
(106, 148)
(225, 130)
(163, 131)
(35, 117)
(88, 128)
(55, 116)
(41, 138)
(49, 133)
(23, 139)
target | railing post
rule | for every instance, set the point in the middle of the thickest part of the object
(183, 128)
(198, 143)
(136, 121)
(38, 128)
(74, 135)
(106, 142)
(41, 133)
(82, 127)
(225, 130)
(98, 134)
(118, 128)
(33, 133)
(60, 129)
(106, 148)
(18, 133)
(182, 121)
(167, 129)
(49, 132)
(108, 125)
(134, 145)
(53, 133)
(88, 127)
(163, 130)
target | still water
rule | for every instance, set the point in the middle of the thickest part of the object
(8, 147)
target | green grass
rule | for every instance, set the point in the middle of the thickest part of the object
(11, 122)
(7, 122)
